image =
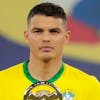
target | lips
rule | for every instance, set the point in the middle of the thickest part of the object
(46, 48)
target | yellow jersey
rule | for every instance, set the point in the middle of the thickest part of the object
(73, 83)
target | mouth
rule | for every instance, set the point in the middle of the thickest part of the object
(46, 48)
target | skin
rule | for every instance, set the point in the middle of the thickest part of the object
(46, 37)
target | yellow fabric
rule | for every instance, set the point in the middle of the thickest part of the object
(13, 84)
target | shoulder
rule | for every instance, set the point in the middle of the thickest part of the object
(80, 75)
(75, 71)
(12, 70)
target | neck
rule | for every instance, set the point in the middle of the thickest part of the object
(43, 71)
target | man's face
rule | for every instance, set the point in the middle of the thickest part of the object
(46, 37)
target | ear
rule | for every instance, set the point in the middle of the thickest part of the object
(26, 36)
(68, 34)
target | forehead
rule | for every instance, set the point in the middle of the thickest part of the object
(46, 21)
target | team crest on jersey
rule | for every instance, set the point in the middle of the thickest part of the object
(68, 95)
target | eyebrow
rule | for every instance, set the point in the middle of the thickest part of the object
(55, 29)
(36, 28)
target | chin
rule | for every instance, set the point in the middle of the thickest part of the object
(46, 58)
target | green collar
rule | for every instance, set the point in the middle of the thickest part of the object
(33, 80)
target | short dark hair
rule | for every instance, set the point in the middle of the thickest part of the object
(47, 9)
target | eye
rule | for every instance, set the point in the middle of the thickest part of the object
(55, 31)
(37, 31)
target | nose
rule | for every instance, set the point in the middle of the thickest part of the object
(46, 37)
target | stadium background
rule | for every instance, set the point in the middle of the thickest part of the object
(83, 50)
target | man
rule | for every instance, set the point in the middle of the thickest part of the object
(46, 35)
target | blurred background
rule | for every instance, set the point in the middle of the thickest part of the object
(83, 50)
